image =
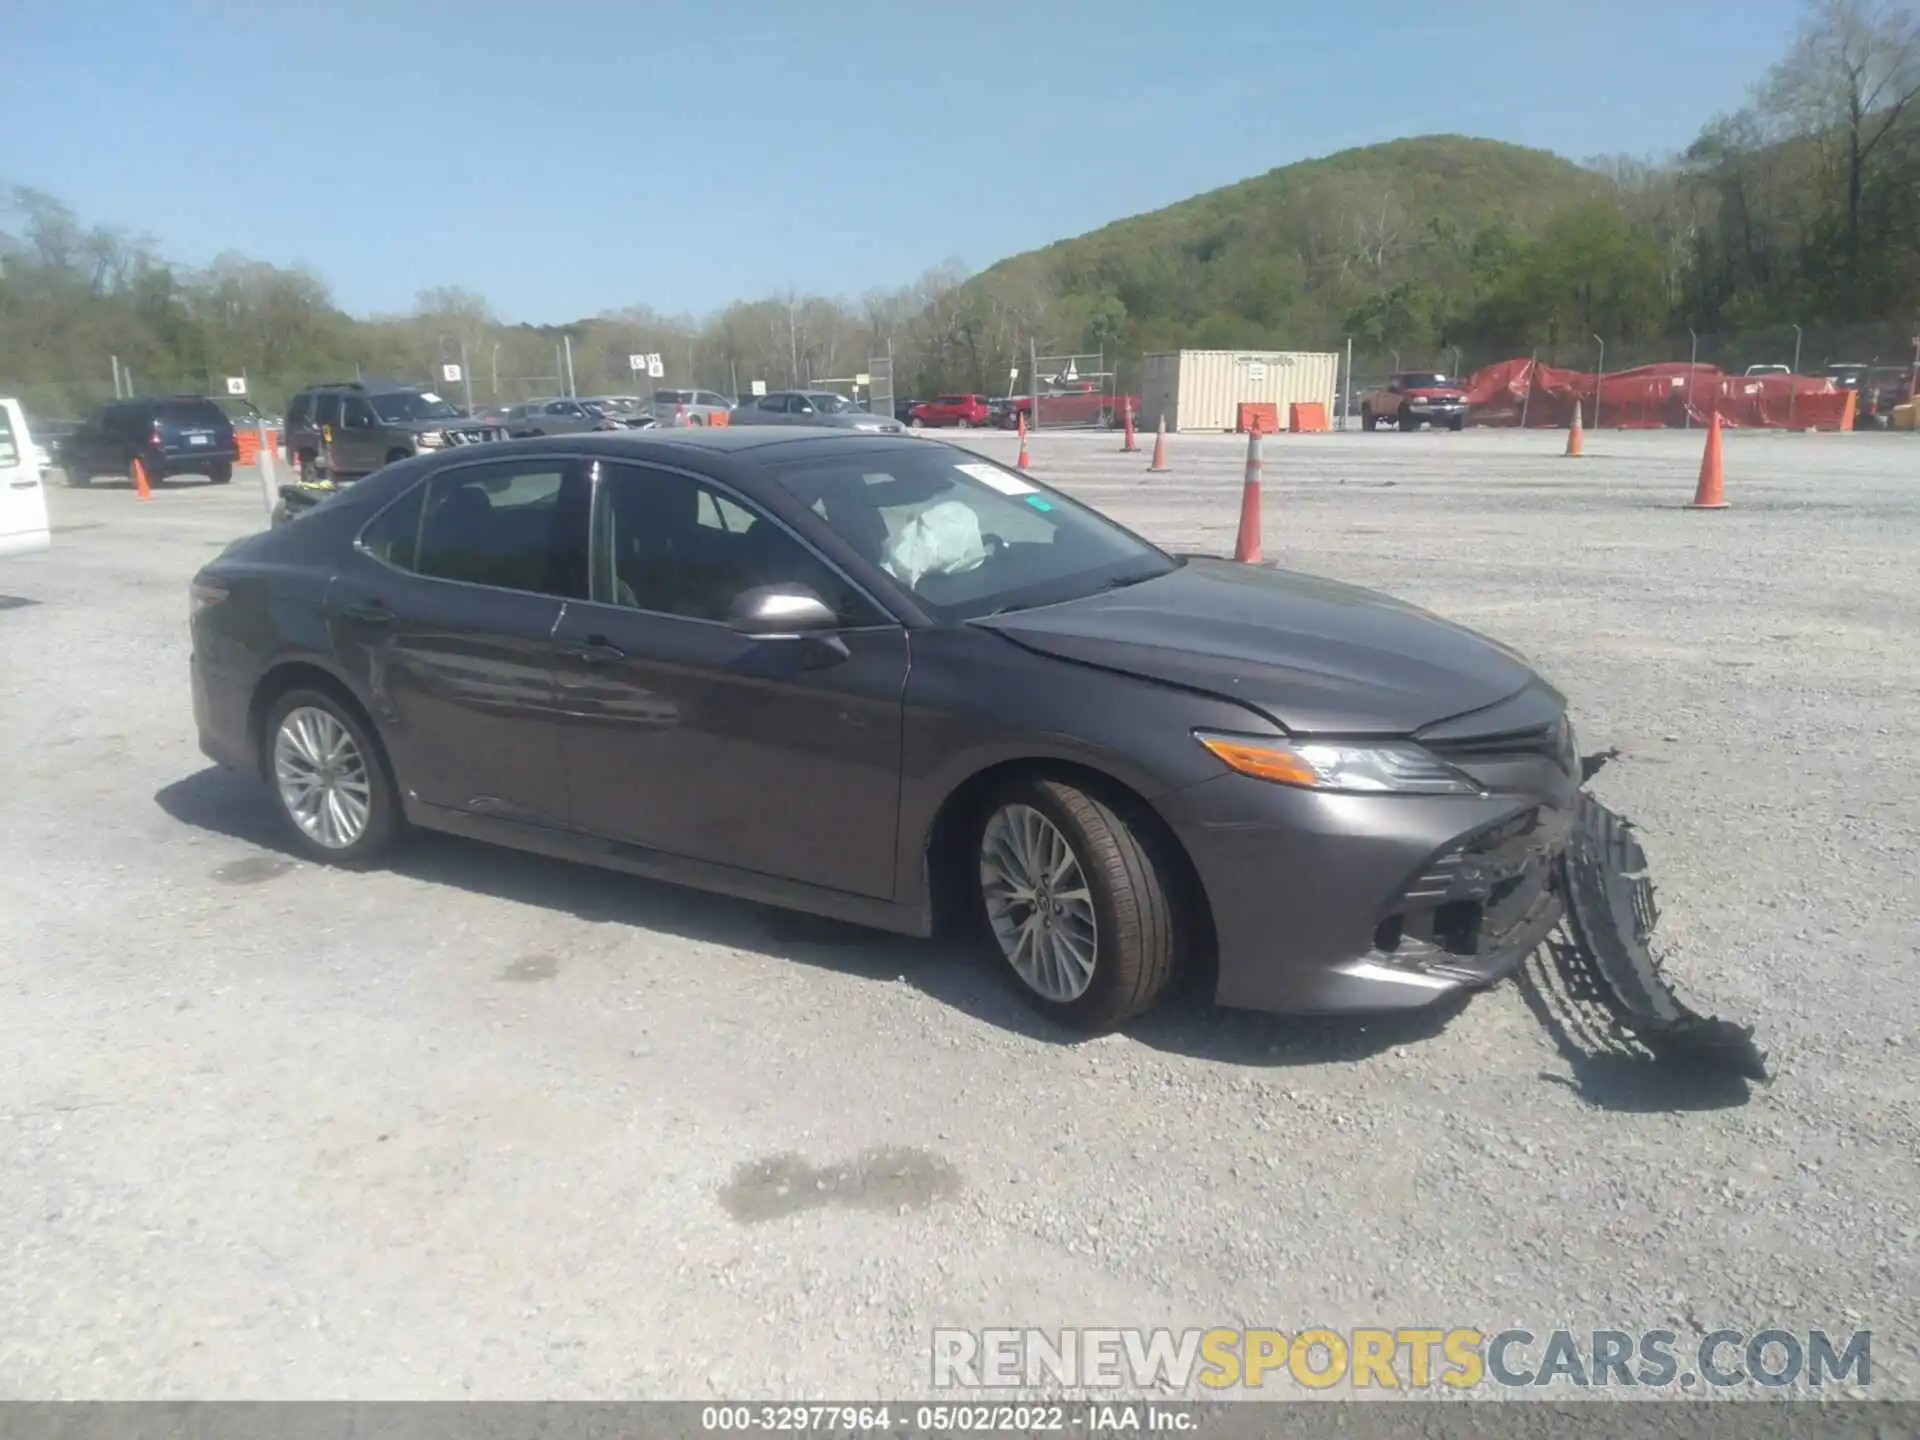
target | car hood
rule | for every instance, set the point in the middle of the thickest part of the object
(1313, 655)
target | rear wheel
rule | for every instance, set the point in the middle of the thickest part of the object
(1074, 900)
(77, 479)
(916, 423)
(329, 779)
(964, 423)
(221, 473)
(1368, 420)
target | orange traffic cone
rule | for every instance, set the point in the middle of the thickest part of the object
(1712, 491)
(1023, 462)
(140, 481)
(1160, 446)
(1574, 433)
(1128, 443)
(1246, 544)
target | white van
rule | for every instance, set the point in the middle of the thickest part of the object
(23, 500)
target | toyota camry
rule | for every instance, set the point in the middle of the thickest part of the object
(896, 683)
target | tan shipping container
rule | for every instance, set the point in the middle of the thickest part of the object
(1203, 389)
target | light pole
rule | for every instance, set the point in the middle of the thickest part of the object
(1600, 375)
(1693, 358)
(1793, 380)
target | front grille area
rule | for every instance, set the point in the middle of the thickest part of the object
(1473, 903)
(1552, 741)
(476, 435)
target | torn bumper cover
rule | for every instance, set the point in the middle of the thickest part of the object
(1610, 915)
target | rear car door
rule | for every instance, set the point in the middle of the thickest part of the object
(23, 496)
(326, 419)
(774, 756)
(445, 615)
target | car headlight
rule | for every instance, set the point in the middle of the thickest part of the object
(1394, 767)
(430, 439)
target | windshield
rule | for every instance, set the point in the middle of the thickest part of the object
(969, 537)
(1424, 380)
(832, 404)
(673, 397)
(411, 405)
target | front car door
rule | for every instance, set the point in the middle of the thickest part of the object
(23, 499)
(774, 756)
(445, 616)
(357, 446)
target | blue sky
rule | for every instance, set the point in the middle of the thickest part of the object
(576, 157)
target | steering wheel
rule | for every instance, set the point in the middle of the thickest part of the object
(995, 545)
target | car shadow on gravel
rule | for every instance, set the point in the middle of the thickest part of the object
(955, 971)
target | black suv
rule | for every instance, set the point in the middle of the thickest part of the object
(168, 435)
(346, 429)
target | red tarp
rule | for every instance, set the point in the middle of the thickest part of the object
(1651, 397)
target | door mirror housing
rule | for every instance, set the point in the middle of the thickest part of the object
(781, 612)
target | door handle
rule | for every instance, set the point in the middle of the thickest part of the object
(596, 651)
(370, 614)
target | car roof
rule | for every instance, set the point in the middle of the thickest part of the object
(718, 439)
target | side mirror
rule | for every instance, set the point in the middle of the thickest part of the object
(781, 612)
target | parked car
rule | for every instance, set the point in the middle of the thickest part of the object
(23, 493)
(343, 430)
(686, 656)
(1414, 398)
(167, 435)
(965, 411)
(1753, 370)
(1886, 386)
(694, 407)
(813, 407)
(1076, 403)
(559, 417)
(902, 408)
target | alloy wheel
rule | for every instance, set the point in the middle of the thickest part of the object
(1039, 903)
(322, 777)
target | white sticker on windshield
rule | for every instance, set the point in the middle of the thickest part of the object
(431, 398)
(999, 479)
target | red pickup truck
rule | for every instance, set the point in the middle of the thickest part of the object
(966, 411)
(1414, 398)
(1070, 404)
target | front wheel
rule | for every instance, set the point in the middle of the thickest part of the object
(1076, 903)
(916, 423)
(1458, 422)
(1368, 420)
(328, 777)
(1408, 422)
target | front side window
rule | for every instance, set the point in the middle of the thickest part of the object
(968, 537)
(512, 526)
(357, 413)
(675, 546)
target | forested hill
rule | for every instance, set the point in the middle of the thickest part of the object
(1365, 240)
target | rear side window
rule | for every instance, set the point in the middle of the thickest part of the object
(190, 412)
(510, 525)
(394, 535)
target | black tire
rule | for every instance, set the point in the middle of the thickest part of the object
(221, 473)
(1137, 940)
(1407, 422)
(384, 823)
(77, 479)
(916, 423)
(1368, 420)
(309, 468)
(1458, 422)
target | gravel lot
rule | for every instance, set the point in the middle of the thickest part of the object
(489, 1126)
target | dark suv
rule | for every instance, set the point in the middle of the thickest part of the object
(346, 429)
(168, 435)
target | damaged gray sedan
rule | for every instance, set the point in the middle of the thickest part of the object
(889, 681)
